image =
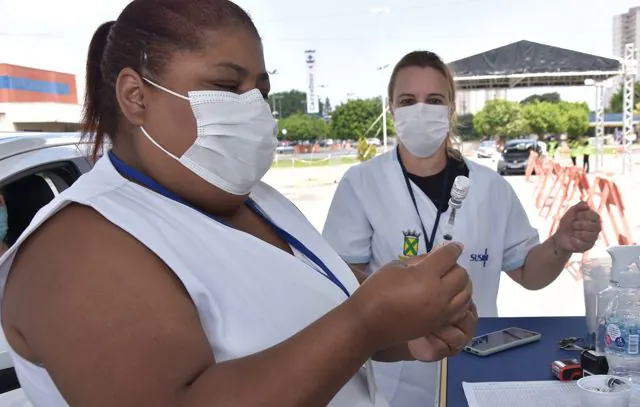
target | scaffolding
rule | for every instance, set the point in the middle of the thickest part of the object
(599, 125)
(629, 79)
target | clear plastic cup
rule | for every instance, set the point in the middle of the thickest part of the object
(596, 274)
(596, 393)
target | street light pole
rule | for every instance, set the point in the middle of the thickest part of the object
(379, 11)
(384, 113)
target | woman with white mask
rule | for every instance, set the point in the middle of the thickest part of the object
(170, 275)
(395, 206)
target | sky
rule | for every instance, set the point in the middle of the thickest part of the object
(351, 41)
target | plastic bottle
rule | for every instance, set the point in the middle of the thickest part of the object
(621, 259)
(596, 276)
(622, 316)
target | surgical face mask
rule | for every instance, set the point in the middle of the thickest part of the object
(422, 128)
(4, 222)
(236, 138)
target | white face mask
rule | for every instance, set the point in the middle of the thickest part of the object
(236, 138)
(422, 128)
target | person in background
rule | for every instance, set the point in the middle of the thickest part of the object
(587, 151)
(393, 207)
(552, 144)
(4, 224)
(575, 146)
(180, 278)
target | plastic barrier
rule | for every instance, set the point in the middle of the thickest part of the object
(559, 187)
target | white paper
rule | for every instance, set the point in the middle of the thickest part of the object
(522, 394)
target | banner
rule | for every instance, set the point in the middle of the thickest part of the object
(312, 98)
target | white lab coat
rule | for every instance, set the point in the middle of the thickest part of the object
(372, 220)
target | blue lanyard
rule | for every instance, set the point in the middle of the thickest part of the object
(131, 173)
(429, 242)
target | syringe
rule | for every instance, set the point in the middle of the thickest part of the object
(458, 193)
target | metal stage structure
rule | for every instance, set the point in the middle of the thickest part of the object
(530, 64)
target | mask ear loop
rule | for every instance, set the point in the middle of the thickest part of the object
(169, 91)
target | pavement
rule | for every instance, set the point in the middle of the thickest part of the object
(311, 190)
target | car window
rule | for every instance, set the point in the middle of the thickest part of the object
(27, 193)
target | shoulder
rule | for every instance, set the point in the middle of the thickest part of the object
(360, 174)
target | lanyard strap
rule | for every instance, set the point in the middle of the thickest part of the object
(131, 173)
(299, 246)
(429, 241)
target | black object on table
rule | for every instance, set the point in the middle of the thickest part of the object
(530, 362)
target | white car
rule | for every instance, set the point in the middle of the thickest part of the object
(34, 167)
(487, 149)
(374, 142)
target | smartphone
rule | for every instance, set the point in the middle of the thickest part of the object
(485, 345)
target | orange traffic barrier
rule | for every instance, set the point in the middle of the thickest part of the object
(615, 227)
(534, 165)
(576, 189)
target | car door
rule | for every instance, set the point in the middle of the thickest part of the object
(28, 181)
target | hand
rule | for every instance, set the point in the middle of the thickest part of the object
(578, 229)
(405, 300)
(448, 340)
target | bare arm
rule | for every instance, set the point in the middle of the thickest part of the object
(114, 327)
(543, 265)
(359, 271)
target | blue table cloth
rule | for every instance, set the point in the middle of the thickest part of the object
(530, 362)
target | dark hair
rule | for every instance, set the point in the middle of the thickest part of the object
(144, 36)
(427, 59)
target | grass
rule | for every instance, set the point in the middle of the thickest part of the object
(292, 162)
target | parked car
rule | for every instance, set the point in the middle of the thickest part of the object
(34, 167)
(374, 142)
(515, 156)
(487, 149)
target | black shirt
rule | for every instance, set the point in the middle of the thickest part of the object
(432, 186)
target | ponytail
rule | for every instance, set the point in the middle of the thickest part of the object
(94, 126)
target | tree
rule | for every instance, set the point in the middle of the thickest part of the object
(544, 118)
(465, 128)
(577, 116)
(288, 103)
(304, 127)
(615, 105)
(356, 118)
(500, 118)
(364, 150)
(553, 97)
(327, 106)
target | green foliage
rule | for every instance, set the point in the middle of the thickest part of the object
(509, 119)
(577, 116)
(465, 129)
(500, 118)
(303, 127)
(288, 103)
(352, 119)
(545, 118)
(553, 97)
(364, 150)
(615, 105)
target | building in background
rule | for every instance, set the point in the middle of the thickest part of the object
(472, 101)
(37, 100)
(626, 30)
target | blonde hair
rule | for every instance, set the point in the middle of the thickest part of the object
(427, 59)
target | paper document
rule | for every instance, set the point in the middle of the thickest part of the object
(522, 394)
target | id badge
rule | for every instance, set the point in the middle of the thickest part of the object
(371, 381)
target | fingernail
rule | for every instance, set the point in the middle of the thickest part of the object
(459, 245)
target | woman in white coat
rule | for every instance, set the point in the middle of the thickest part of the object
(393, 207)
(170, 275)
